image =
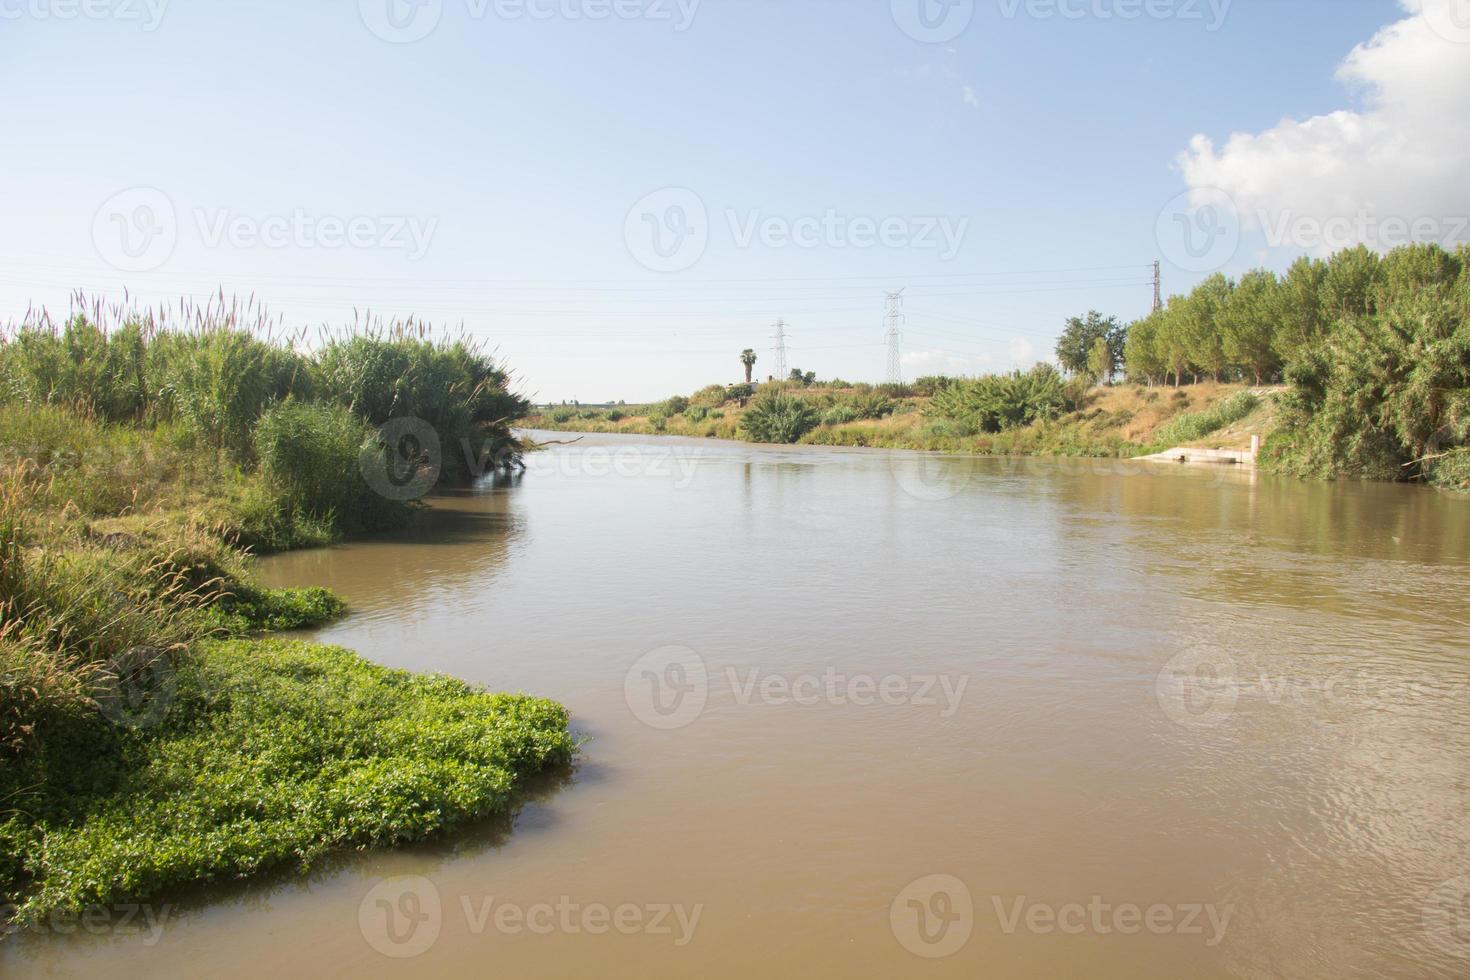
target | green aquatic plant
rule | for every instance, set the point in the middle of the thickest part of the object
(253, 755)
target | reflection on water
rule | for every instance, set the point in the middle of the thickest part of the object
(998, 709)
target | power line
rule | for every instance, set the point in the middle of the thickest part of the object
(780, 350)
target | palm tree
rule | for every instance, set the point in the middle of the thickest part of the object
(747, 357)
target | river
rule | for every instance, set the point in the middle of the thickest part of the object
(868, 714)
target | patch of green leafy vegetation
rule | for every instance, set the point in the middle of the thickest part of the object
(249, 609)
(257, 754)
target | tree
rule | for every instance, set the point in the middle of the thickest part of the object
(1100, 361)
(747, 357)
(1414, 269)
(1247, 322)
(804, 378)
(1199, 322)
(1298, 314)
(1351, 283)
(1173, 341)
(1141, 354)
(1074, 347)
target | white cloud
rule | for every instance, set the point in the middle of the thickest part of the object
(943, 73)
(1023, 353)
(1366, 174)
(918, 363)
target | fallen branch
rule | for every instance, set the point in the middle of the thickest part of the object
(1425, 459)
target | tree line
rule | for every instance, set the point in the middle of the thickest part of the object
(1253, 328)
(1375, 350)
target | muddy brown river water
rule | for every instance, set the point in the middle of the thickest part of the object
(864, 714)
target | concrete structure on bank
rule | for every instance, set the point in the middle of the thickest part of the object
(1227, 457)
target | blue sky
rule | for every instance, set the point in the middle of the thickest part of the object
(487, 171)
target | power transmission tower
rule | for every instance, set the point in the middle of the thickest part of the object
(781, 371)
(1158, 288)
(892, 321)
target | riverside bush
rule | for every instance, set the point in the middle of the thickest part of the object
(311, 452)
(456, 388)
(996, 402)
(778, 417)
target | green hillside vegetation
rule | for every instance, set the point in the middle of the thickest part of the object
(148, 737)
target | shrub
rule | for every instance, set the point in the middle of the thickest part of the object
(873, 405)
(840, 414)
(674, 406)
(311, 452)
(930, 385)
(996, 402)
(221, 381)
(1452, 470)
(777, 417)
(457, 389)
(1197, 425)
(711, 395)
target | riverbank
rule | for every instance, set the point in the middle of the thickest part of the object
(151, 738)
(1121, 421)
